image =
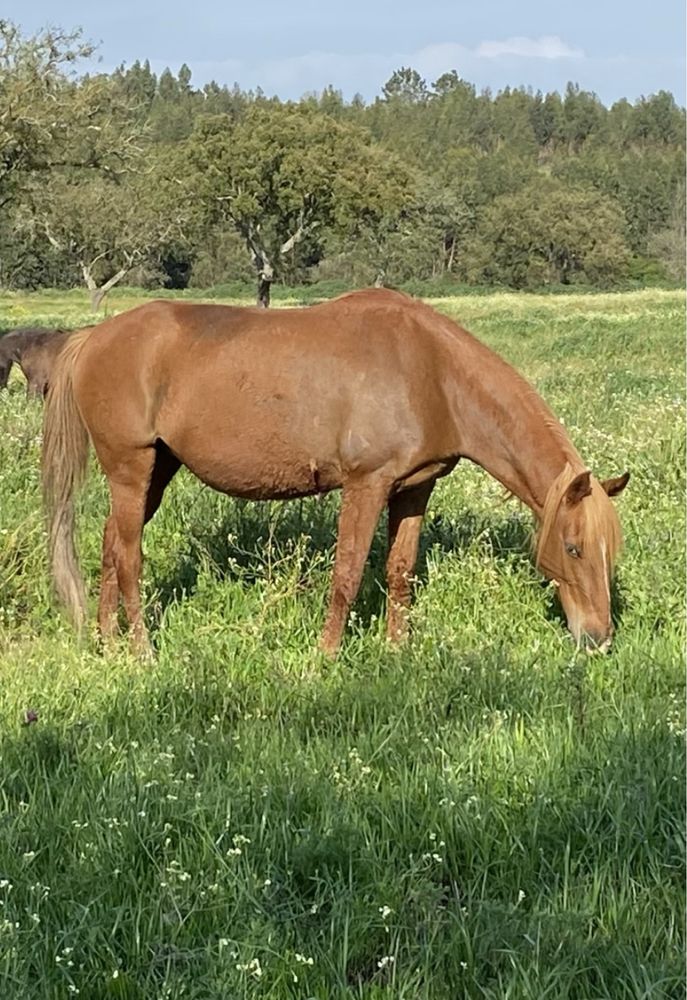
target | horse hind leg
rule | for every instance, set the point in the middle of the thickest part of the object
(361, 505)
(136, 493)
(406, 511)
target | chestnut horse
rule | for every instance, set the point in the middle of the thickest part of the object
(373, 393)
(35, 350)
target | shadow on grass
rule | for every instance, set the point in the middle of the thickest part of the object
(248, 540)
(603, 813)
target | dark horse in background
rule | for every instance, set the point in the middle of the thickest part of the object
(35, 350)
(373, 393)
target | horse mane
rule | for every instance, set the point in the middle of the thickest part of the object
(600, 523)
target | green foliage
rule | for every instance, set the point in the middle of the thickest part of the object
(405, 187)
(501, 817)
(646, 183)
(52, 121)
(667, 244)
(549, 233)
(282, 176)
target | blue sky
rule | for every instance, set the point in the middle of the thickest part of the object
(618, 49)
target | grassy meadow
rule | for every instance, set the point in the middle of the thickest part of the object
(483, 814)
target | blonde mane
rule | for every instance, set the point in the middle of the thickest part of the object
(600, 524)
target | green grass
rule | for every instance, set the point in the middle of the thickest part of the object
(483, 814)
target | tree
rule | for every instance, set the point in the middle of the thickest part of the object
(282, 175)
(546, 115)
(512, 120)
(644, 182)
(583, 114)
(396, 249)
(104, 228)
(405, 86)
(549, 233)
(667, 245)
(657, 119)
(138, 84)
(50, 121)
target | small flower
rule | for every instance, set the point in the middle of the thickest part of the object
(385, 961)
(303, 960)
(253, 968)
(385, 911)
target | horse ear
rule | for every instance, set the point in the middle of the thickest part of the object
(615, 486)
(580, 487)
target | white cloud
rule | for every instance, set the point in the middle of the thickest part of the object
(546, 47)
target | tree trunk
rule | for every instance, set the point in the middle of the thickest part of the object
(265, 271)
(260, 257)
(452, 255)
(98, 294)
(264, 286)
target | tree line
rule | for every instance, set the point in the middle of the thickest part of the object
(142, 177)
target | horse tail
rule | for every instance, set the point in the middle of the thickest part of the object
(64, 462)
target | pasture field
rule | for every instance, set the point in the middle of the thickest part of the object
(483, 814)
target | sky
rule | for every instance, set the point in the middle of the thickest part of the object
(617, 48)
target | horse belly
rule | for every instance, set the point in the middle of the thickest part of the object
(286, 428)
(263, 478)
(247, 455)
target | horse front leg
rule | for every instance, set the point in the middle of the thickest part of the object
(361, 505)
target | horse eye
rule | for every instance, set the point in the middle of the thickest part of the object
(572, 550)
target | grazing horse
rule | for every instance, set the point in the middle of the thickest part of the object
(35, 350)
(373, 393)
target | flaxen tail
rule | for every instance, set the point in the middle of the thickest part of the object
(65, 457)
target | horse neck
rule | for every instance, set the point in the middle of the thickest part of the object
(505, 427)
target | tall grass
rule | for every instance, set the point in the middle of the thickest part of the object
(482, 814)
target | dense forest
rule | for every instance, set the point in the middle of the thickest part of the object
(145, 179)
